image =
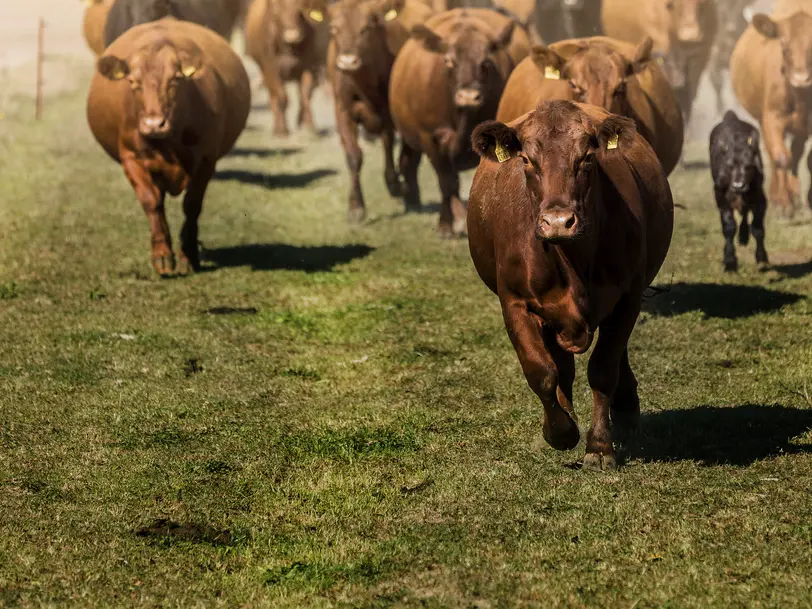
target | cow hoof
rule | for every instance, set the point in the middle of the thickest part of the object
(164, 265)
(460, 228)
(597, 462)
(185, 267)
(565, 435)
(731, 266)
(356, 215)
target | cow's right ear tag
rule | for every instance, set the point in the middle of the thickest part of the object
(550, 73)
(317, 16)
(611, 143)
(390, 15)
(502, 153)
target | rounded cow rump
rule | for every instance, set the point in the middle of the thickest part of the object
(652, 102)
(93, 23)
(224, 86)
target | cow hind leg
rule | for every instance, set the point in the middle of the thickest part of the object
(624, 410)
(152, 201)
(390, 174)
(452, 211)
(409, 163)
(192, 207)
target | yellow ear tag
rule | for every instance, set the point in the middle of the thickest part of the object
(551, 73)
(390, 15)
(660, 60)
(188, 71)
(119, 74)
(317, 16)
(750, 141)
(502, 153)
(611, 144)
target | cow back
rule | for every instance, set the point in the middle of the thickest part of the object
(95, 18)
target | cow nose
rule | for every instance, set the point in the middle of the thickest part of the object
(468, 98)
(154, 126)
(689, 33)
(348, 62)
(292, 35)
(800, 80)
(558, 225)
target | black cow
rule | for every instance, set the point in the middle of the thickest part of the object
(560, 19)
(738, 181)
(217, 15)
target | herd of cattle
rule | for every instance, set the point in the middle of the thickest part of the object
(570, 213)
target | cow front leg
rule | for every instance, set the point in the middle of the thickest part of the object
(773, 129)
(192, 207)
(604, 374)
(453, 215)
(348, 134)
(728, 220)
(152, 201)
(549, 377)
(390, 174)
(278, 98)
(759, 207)
(624, 411)
(306, 85)
(409, 163)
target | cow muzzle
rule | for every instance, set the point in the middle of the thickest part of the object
(558, 225)
(154, 127)
(348, 62)
(292, 36)
(800, 80)
(468, 98)
(689, 33)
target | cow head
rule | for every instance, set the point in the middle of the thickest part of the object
(469, 56)
(735, 155)
(158, 78)
(558, 146)
(683, 19)
(291, 19)
(597, 74)
(795, 36)
(357, 29)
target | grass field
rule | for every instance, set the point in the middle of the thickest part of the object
(334, 416)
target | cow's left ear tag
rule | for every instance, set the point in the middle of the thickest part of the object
(390, 15)
(502, 153)
(550, 73)
(317, 16)
(188, 71)
(611, 143)
(750, 141)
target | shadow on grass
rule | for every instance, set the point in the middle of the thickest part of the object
(271, 181)
(795, 271)
(717, 300)
(271, 257)
(736, 435)
(426, 208)
(264, 153)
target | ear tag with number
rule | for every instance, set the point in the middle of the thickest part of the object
(317, 16)
(390, 15)
(502, 153)
(551, 73)
(611, 144)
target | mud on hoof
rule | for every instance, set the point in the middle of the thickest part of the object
(356, 215)
(164, 265)
(597, 462)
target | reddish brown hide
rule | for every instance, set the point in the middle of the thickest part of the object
(568, 231)
(95, 18)
(168, 99)
(617, 76)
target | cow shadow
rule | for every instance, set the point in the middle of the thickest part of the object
(717, 300)
(271, 181)
(280, 256)
(712, 435)
(263, 153)
(426, 208)
(794, 271)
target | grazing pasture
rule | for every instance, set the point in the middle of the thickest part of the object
(329, 415)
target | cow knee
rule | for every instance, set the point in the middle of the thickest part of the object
(354, 160)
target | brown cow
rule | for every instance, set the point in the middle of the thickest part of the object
(366, 35)
(445, 81)
(93, 24)
(683, 32)
(614, 75)
(570, 219)
(771, 68)
(168, 99)
(289, 43)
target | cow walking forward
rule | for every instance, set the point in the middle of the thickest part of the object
(738, 182)
(446, 80)
(169, 99)
(570, 218)
(771, 68)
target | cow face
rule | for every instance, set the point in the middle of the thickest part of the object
(291, 19)
(357, 29)
(735, 156)
(558, 146)
(469, 58)
(683, 19)
(795, 36)
(158, 78)
(597, 74)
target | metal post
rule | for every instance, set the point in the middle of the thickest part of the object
(40, 65)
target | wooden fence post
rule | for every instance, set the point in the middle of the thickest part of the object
(40, 66)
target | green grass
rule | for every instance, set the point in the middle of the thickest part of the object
(333, 416)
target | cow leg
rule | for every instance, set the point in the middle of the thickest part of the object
(306, 85)
(728, 230)
(744, 227)
(390, 174)
(152, 201)
(409, 163)
(348, 134)
(192, 206)
(759, 207)
(773, 130)
(809, 194)
(278, 100)
(604, 374)
(552, 383)
(716, 74)
(624, 410)
(452, 211)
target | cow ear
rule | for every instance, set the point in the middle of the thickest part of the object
(504, 37)
(430, 41)
(642, 56)
(391, 9)
(616, 132)
(548, 61)
(191, 66)
(113, 68)
(495, 141)
(765, 26)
